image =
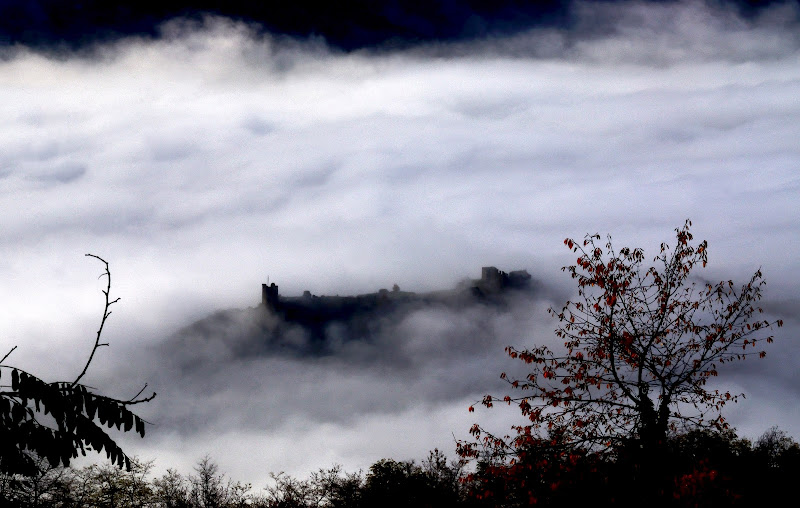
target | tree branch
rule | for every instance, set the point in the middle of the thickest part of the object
(8, 354)
(106, 313)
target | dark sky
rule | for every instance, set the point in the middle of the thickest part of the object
(348, 25)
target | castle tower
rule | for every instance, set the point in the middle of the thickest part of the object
(493, 279)
(269, 296)
(489, 274)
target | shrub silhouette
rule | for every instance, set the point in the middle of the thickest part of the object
(57, 420)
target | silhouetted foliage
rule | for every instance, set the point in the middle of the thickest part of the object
(49, 487)
(108, 485)
(772, 445)
(640, 344)
(171, 490)
(55, 421)
(327, 487)
(700, 468)
(388, 483)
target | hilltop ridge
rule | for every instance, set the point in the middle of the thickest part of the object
(313, 325)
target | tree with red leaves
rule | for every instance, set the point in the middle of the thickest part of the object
(640, 345)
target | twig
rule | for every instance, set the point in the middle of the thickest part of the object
(106, 313)
(135, 400)
(8, 354)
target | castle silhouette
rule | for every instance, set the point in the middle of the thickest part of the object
(304, 325)
(309, 307)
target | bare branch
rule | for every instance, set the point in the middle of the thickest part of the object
(8, 354)
(106, 313)
(136, 400)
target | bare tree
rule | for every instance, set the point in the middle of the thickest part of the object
(773, 443)
(171, 490)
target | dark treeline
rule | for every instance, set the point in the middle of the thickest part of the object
(698, 468)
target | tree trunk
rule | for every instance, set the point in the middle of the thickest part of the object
(652, 454)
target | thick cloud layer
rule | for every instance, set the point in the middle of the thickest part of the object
(205, 161)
